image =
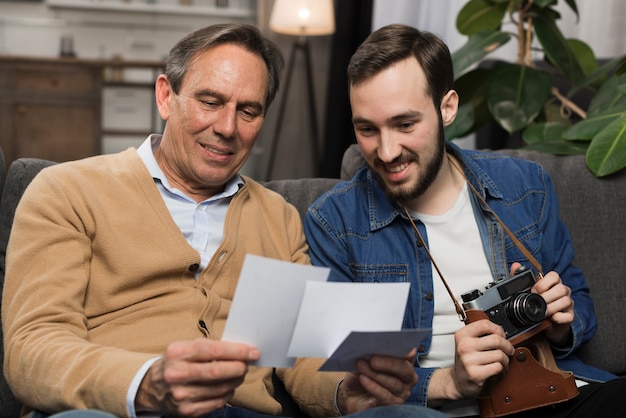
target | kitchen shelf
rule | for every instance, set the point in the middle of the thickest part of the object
(136, 7)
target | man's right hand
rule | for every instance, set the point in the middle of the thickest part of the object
(481, 351)
(194, 377)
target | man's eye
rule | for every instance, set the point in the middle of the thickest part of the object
(249, 115)
(406, 126)
(366, 130)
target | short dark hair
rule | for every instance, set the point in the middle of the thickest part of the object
(181, 56)
(393, 43)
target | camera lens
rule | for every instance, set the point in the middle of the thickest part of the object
(526, 309)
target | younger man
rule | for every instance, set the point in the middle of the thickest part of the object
(402, 96)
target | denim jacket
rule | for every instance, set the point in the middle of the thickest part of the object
(364, 237)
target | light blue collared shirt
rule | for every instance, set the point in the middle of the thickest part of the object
(202, 223)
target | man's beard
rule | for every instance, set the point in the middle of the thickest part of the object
(409, 192)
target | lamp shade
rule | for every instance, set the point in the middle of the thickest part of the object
(303, 17)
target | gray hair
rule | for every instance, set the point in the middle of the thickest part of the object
(181, 56)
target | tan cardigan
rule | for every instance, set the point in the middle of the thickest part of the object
(99, 279)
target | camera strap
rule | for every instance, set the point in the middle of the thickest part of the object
(518, 244)
(457, 306)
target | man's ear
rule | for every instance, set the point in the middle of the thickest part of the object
(163, 92)
(449, 107)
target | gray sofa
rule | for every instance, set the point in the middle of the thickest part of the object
(592, 208)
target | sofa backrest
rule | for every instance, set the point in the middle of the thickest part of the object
(593, 210)
(301, 192)
(19, 175)
(591, 207)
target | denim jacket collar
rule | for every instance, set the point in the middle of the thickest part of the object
(474, 173)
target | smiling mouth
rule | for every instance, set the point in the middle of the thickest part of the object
(396, 168)
(215, 150)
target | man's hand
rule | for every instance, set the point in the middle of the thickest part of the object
(383, 380)
(560, 305)
(481, 351)
(194, 377)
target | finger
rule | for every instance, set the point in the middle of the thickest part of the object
(388, 386)
(169, 384)
(563, 318)
(213, 372)
(480, 328)
(202, 350)
(514, 267)
(547, 282)
(398, 368)
(384, 391)
(482, 336)
(198, 408)
(199, 393)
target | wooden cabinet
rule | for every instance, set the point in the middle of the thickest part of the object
(53, 108)
(49, 108)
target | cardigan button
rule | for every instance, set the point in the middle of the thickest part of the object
(194, 267)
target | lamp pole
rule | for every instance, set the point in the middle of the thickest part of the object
(300, 44)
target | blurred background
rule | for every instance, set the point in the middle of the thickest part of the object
(76, 76)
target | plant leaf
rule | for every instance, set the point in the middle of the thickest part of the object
(588, 128)
(607, 151)
(558, 50)
(462, 124)
(517, 95)
(600, 73)
(621, 69)
(478, 15)
(560, 147)
(544, 3)
(476, 48)
(473, 112)
(543, 132)
(609, 96)
(584, 54)
(572, 5)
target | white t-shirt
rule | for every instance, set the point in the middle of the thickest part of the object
(455, 244)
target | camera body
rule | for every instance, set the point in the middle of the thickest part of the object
(509, 303)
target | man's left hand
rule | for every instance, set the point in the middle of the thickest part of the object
(560, 305)
(381, 380)
(560, 309)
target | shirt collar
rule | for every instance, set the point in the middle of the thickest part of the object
(146, 153)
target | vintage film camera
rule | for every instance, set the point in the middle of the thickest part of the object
(509, 303)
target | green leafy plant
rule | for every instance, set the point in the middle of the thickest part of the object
(522, 96)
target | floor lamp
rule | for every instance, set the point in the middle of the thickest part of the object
(300, 18)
